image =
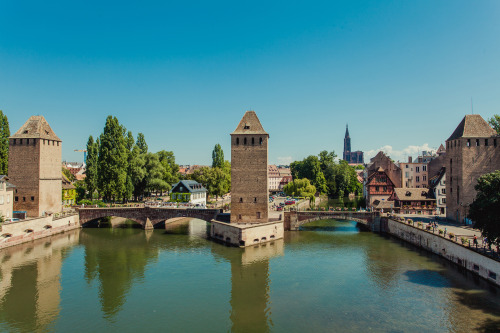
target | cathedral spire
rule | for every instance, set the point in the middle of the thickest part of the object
(346, 131)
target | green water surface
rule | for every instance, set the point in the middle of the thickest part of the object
(330, 277)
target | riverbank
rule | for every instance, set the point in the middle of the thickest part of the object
(14, 233)
(463, 256)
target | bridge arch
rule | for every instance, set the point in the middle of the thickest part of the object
(147, 217)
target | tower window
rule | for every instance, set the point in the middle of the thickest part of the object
(24, 198)
(237, 141)
(485, 142)
(468, 142)
(16, 199)
(477, 142)
(253, 141)
(245, 141)
(241, 199)
(255, 199)
(494, 142)
(239, 217)
(258, 215)
(32, 198)
(260, 141)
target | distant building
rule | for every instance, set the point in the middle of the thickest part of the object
(437, 187)
(390, 168)
(471, 151)
(35, 168)
(413, 201)
(68, 192)
(352, 157)
(6, 197)
(414, 174)
(379, 188)
(189, 191)
(274, 177)
(284, 181)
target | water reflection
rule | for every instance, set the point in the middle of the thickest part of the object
(250, 304)
(30, 282)
(117, 258)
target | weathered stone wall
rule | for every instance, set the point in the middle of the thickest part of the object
(50, 188)
(461, 255)
(239, 234)
(249, 179)
(24, 170)
(30, 229)
(464, 165)
(142, 214)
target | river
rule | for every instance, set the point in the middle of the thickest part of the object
(331, 277)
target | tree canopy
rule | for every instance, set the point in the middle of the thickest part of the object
(335, 179)
(485, 209)
(4, 144)
(301, 188)
(495, 122)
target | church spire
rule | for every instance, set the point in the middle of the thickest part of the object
(346, 131)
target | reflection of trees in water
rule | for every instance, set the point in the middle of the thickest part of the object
(118, 258)
(30, 282)
(250, 310)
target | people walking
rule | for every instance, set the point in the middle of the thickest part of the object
(475, 241)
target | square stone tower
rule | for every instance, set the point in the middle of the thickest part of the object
(35, 168)
(249, 180)
(471, 151)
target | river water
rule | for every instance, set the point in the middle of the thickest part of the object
(330, 278)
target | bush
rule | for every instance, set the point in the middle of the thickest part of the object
(410, 221)
(419, 224)
(441, 231)
(451, 235)
(463, 240)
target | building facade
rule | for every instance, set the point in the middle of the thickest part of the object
(6, 197)
(35, 168)
(189, 191)
(437, 186)
(68, 192)
(249, 171)
(414, 174)
(413, 201)
(379, 188)
(274, 178)
(471, 151)
(351, 157)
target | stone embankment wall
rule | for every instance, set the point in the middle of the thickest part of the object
(475, 262)
(14, 233)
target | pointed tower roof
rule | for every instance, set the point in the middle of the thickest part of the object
(346, 130)
(472, 126)
(250, 124)
(36, 127)
(441, 150)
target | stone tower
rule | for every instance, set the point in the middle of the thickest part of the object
(471, 151)
(249, 181)
(347, 146)
(35, 168)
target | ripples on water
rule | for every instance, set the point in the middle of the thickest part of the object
(330, 277)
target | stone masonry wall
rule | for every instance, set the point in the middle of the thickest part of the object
(24, 162)
(464, 165)
(249, 180)
(471, 260)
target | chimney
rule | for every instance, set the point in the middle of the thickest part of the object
(410, 159)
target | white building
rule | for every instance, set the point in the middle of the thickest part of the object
(6, 197)
(274, 177)
(438, 188)
(189, 191)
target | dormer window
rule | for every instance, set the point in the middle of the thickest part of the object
(25, 132)
(408, 194)
(246, 126)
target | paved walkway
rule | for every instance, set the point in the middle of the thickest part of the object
(457, 229)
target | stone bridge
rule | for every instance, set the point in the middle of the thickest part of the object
(293, 219)
(147, 217)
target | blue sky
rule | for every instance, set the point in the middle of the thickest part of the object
(401, 73)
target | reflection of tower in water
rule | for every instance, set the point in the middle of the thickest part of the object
(250, 285)
(30, 282)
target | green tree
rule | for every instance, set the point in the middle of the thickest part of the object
(112, 161)
(310, 168)
(80, 188)
(4, 144)
(137, 171)
(141, 143)
(91, 166)
(217, 157)
(301, 188)
(495, 122)
(171, 173)
(154, 174)
(485, 209)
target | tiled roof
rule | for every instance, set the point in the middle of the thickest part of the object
(472, 126)
(191, 185)
(250, 124)
(36, 127)
(412, 194)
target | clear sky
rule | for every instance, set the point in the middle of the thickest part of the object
(401, 73)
